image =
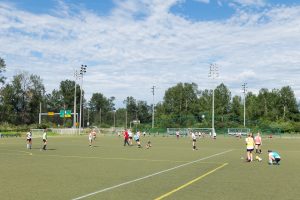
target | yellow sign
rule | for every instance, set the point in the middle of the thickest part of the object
(51, 113)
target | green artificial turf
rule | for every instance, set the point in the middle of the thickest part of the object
(71, 169)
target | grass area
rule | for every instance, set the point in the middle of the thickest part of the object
(10, 134)
(71, 169)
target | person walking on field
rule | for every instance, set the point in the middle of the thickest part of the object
(29, 139)
(45, 139)
(130, 136)
(177, 134)
(250, 147)
(258, 143)
(91, 138)
(126, 137)
(194, 138)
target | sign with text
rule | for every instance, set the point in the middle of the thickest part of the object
(50, 113)
(65, 113)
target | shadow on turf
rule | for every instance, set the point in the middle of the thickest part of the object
(46, 149)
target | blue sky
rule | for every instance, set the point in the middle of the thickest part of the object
(131, 45)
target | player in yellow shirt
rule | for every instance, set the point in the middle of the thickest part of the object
(250, 147)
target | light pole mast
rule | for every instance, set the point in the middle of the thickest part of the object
(213, 73)
(74, 116)
(153, 93)
(82, 72)
(244, 87)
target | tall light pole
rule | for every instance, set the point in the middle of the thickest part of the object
(126, 119)
(213, 73)
(244, 87)
(153, 93)
(114, 120)
(100, 117)
(76, 76)
(82, 72)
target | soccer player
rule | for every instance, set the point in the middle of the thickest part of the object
(91, 138)
(177, 134)
(274, 158)
(94, 134)
(29, 139)
(148, 145)
(194, 138)
(137, 139)
(45, 139)
(250, 147)
(258, 143)
(130, 137)
(126, 136)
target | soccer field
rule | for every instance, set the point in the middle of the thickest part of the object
(170, 169)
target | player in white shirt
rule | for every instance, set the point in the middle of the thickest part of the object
(194, 138)
(177, 134)
(130, 134)
(94, 134)
(44, 139)
(29, 139)
(91, 136)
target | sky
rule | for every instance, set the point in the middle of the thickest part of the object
(131, 45)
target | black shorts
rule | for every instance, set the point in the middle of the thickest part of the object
(194, 140)
(277, 160)
(44, 140)
(29, 140)
(130, 138)
(137, 140)
(258, 144)
(249, 150)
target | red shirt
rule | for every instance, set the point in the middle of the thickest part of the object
(126, 136)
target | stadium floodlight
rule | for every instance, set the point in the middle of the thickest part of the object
(82, 72)
(153, 93)
(76, 76)
(244, 87)
(114, 112)
(213, 73)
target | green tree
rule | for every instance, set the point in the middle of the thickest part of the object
(21, 98)
(288, 103)
(132, 108)
(222, 100)
(181, 103)
(236, 108)
(97, 102)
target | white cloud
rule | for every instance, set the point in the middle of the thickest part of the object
(126, 55)
(250, 2)
(203, 1)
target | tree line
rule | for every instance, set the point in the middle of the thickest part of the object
(183, 105)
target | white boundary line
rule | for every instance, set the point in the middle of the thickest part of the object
(151, 175)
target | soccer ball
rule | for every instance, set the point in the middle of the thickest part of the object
(259, 159)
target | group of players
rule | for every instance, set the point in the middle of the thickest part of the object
(129, 137)
(29, 139)
(251, 143)
(255, 143)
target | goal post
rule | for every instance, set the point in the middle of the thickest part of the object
(186, 131)
(238, 131)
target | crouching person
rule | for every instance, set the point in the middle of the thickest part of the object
(274, 158)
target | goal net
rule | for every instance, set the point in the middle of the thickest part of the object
(238, 131)
(37, 133)
(187, 131)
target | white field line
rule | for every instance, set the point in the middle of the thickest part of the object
(151, 175)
